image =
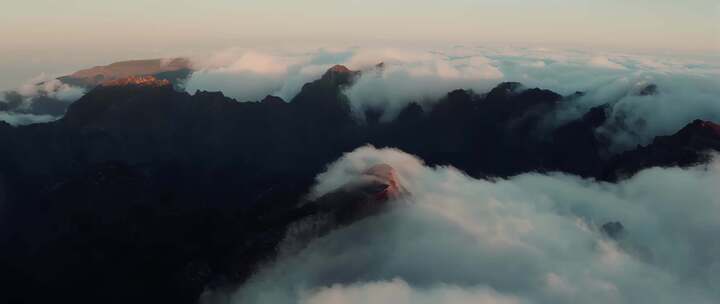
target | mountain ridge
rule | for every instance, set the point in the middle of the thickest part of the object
(172, 69)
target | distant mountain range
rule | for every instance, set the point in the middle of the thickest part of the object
(147, 193)
(173, 70)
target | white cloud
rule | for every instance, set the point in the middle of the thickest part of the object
(688, 86)
(19, 119)
(51, 87)
(529, 239)
(421, 79)
(604, 62)
(39, 86)
(249, 75)
(399, 292)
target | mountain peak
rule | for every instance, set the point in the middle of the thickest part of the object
(270, 99)
(339, 73)
(504, 90)
(707, 128)
(697, 133)
(339, 68)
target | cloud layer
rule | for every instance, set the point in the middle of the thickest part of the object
(20, 119)
(529, 239)
(41, 99)
(50, 87)
(688, 87)
(250, 75)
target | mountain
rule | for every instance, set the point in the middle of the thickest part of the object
(173, 70)
(691, 145)
(150, 194)
(46, 102)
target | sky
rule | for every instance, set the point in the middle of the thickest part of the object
(55, 37)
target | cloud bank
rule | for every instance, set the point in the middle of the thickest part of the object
(50, 87)
(250, 75)
(41, 99)
(529, 239)
(421, 77)
(21, 119)
(687, 87)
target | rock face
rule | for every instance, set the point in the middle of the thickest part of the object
(325, 95)
(122, 103)
(385, 177)
(576, 148)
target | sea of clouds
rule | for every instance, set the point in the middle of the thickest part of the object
(528, 239)
(688, 86)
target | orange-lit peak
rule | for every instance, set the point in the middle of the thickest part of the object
(145, 81)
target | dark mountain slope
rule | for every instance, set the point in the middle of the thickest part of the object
(151, 195)
(692, 145)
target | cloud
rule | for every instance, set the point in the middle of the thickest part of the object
(604, 62)
(50, 87)
(422, 78)
(20, 119)
(528, 239)
(688, 87)
(249, 75)
(407, 76)
(40, 99)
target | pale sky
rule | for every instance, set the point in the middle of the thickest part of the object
(58, 36)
